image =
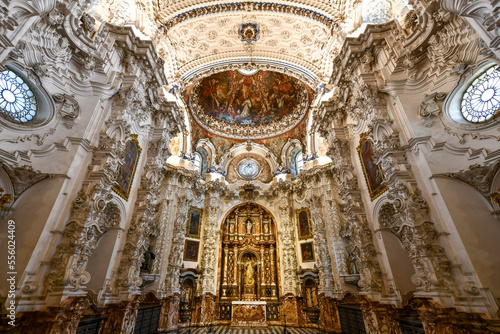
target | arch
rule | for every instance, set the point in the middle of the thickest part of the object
(494, 194)
(380, 130)
(400, 264)
(286, 152)
(99, 261)
(30, 212)
(6, 190)
(232, 208)
(248, 251)
(480, 238)
(207, 150)
(398, 257)
(249, 147)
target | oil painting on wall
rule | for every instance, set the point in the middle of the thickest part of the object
(126, 171)
(307, 251)
(191, 250)
(304, 224)
(194, 223)
(372, 172)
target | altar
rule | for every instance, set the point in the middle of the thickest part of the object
(248, 313)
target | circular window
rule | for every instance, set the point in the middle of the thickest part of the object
(17, 100)
(481, 100)
(248, 168)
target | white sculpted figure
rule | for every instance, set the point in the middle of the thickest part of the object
(249, 226)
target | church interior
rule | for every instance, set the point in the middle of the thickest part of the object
(211, 166)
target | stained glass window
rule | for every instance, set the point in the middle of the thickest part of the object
(481, 100)
(17, 100)
(248, 168)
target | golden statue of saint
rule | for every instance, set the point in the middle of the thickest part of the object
(249, 280)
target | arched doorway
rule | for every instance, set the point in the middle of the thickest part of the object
(248, 270)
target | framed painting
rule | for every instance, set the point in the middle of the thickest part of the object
(371, 171)
(191, 250)
(126, 171)
(304, 224)
(307, 251)
(194, 223)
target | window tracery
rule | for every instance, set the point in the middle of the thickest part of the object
(481, 100)
(17, 100)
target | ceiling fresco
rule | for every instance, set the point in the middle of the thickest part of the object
(265, 104)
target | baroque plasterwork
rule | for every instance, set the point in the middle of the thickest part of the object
(288, 38)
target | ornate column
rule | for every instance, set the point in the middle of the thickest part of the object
(209, 258)
(355, 230)
(286, 237)
(144, 225)
(91, 217)
(290, 309)
(320, 244)
(406, 215)
(171, 283)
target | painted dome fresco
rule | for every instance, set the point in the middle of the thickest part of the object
(265, 104)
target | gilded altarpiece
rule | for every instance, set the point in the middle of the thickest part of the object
(248, 267)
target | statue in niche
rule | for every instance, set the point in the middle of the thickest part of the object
(249, 225)
(231, 228)
(149, 257)
(352, 267)
(249, 272)
(187, 295)
(266, 228)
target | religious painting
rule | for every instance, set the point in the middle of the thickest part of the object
(194, 223)
(222, 145)
(307, 251)
(262, 98)
(126, 171)
(371, 171)
(191, 250)
(304, 224)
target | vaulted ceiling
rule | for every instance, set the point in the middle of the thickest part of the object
(296, 40)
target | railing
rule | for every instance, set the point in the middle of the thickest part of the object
(89, 326)
(272, 311)
(147, 320)
(225, 311)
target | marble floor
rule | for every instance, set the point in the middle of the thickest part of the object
(232, 330)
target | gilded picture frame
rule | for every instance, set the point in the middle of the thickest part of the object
(126, 171)
(307, 252)
(304, 227)
(193, 227)
(371, 171)
(191, 250)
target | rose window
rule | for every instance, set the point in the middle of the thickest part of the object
(248, 168)
(17, 100)
(481, 101)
